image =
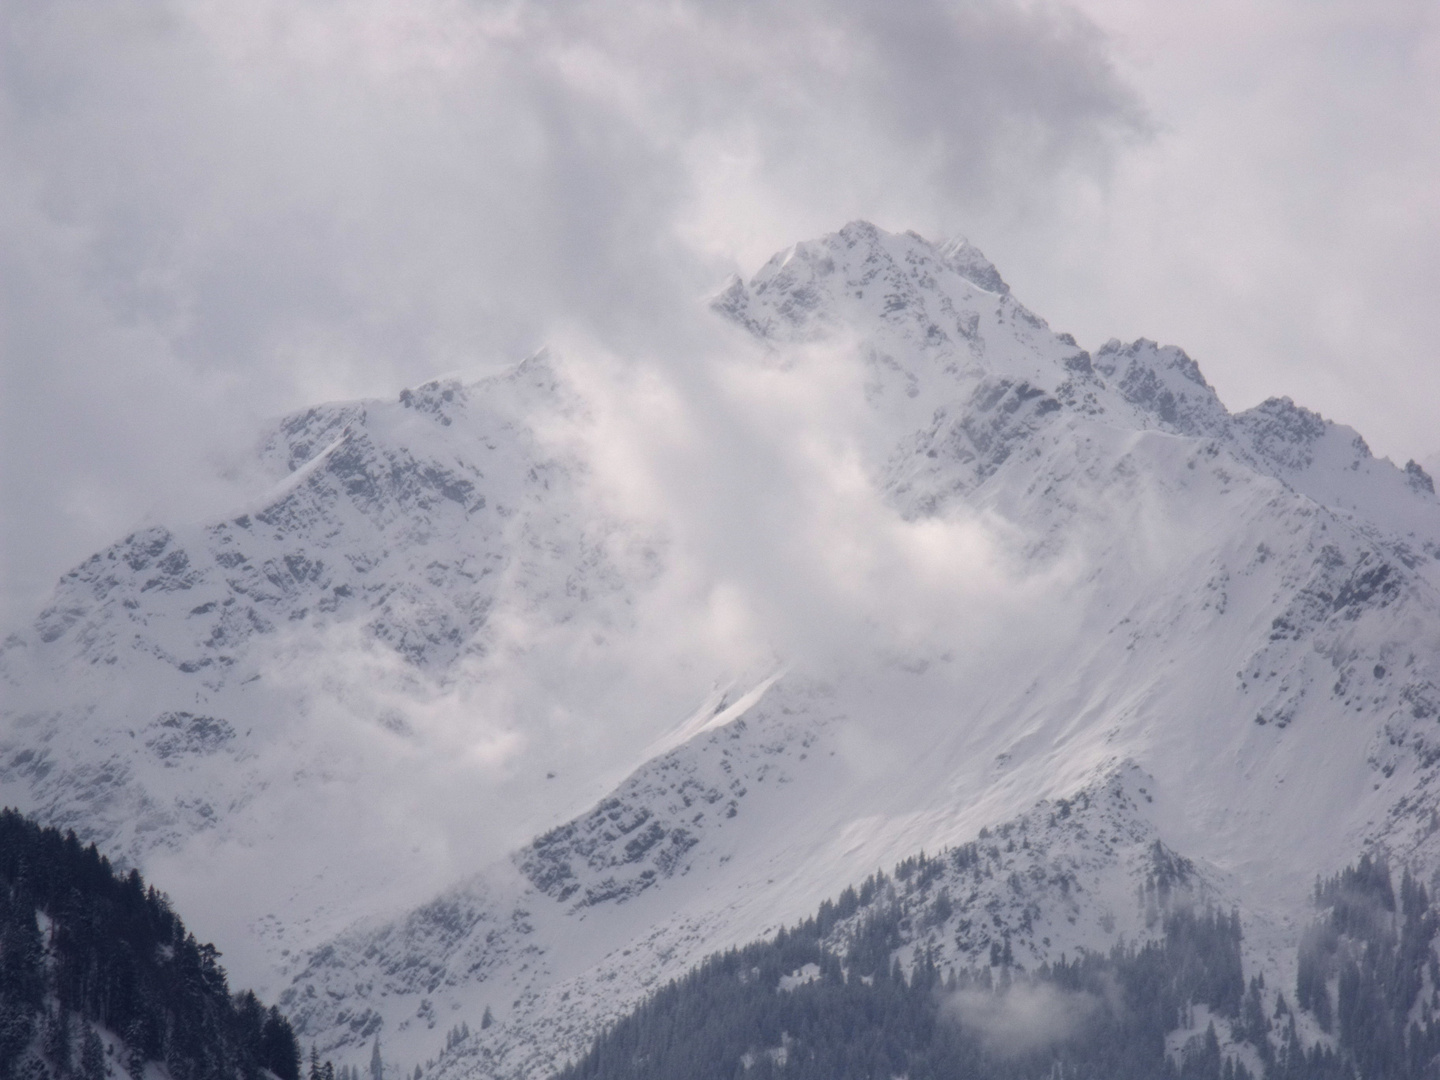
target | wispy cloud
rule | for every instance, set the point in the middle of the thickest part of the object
(215, 213)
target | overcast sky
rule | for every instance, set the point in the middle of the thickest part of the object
(211, 213)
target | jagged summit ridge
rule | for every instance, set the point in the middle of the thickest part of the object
(934, 335)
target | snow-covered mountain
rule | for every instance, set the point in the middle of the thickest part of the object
(887, 565)
(300, 713)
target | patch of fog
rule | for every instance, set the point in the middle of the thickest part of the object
(1021, 1018)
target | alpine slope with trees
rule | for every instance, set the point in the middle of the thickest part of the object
(99, 977)
(831, 999)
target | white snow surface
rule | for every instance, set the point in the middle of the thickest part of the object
(654, 657)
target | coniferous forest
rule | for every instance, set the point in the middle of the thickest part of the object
(1367, 977)
(86, 951)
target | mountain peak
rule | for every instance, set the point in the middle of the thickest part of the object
(871, 280)
(970, 263)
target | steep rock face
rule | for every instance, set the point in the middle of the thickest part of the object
(1332, 465)
(1165, 384)
(1076, 580)
(510, 939)
(363, 526)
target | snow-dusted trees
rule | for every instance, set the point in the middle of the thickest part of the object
(115, 955)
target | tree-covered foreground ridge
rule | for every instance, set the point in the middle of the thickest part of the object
(831, 997)
(99, 977)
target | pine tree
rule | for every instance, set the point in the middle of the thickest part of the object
(279, 1051)
(92, 1055)
(22, 954)
(135, 1057)
(377, 1065)
(57, 1039)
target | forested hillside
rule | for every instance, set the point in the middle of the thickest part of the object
(98, 976)
(830, 1000)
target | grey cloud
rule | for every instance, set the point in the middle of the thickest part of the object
(1283, 225)
(216, 213)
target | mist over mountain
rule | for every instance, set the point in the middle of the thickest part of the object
(519, 696)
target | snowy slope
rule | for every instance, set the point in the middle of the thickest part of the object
(299, 712)
(939, 571)
(1241, 610)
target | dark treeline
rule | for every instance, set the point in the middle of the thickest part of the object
(1364, 969)
(111, 952)
(862, 1016)
(1367, 974)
